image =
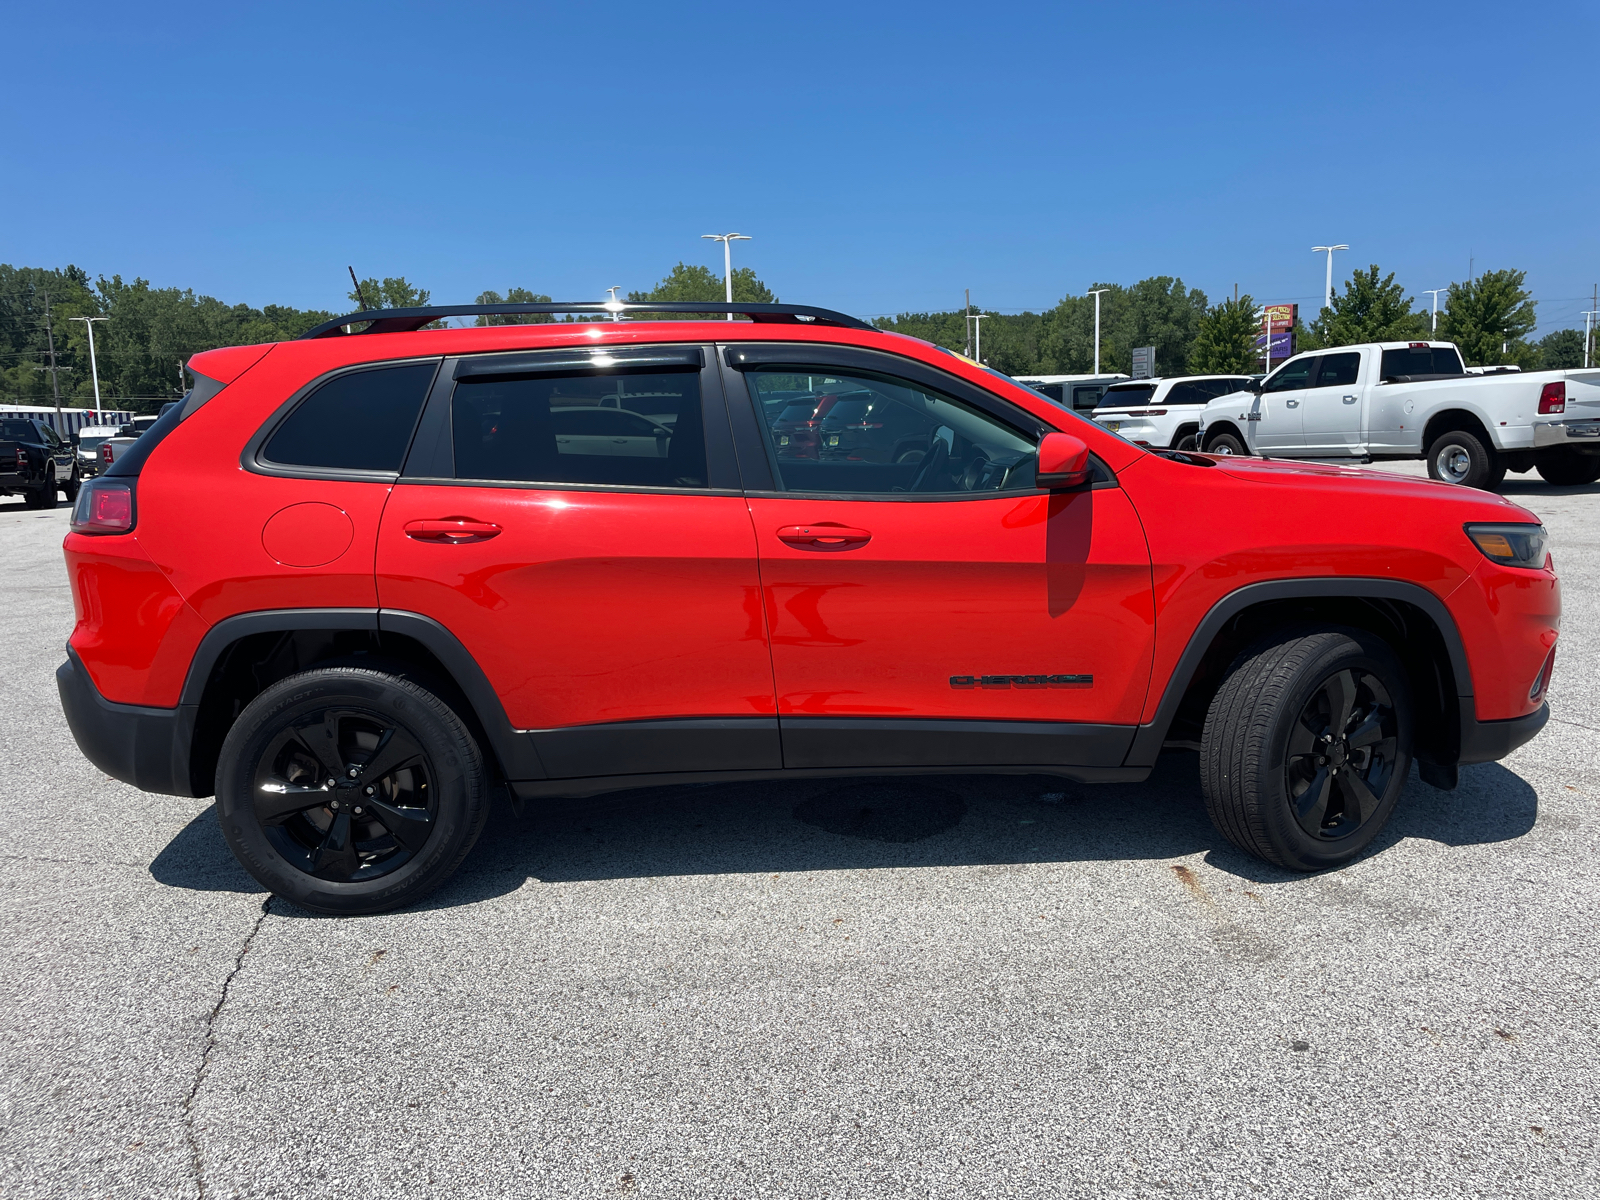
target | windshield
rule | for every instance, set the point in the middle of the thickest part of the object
(1126, 397)
(93, 441)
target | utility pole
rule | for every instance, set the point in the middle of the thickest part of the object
(966, 321)
(727, 240)
(1588, 328)
(1327, 301)
(50, 334)
(1434, 292)
(977, 319)
(1097, 294)
(88, 323)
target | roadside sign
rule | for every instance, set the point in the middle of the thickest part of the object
(1282, 344)
(1144, 362)
(1282, 316)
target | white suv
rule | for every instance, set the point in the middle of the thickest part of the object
(1163, 413)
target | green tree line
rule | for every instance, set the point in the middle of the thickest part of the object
(152, 331)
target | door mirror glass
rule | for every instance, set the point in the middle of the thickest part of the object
(1063, 461)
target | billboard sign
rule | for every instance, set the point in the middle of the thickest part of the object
(1282, 344)
(1144, 362)
(1282, 316)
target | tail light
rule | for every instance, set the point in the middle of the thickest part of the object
(104, 506)
(105, 455)
(1553, 399)
(1147, 412)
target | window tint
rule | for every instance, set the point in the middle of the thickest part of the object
(1086, 397)
(1426, 360)
(859, 434)
(1127, 397)
(21, 431)
(623, 430)
(361, 421)
(1052, 390)
(1290, 376)
(1338, 370)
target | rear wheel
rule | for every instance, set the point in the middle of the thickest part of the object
(1567, 467)
(1225, 443)
(348, 790)
(1306, 747)
(1460, 457)
(69, 489)
(1187, 441)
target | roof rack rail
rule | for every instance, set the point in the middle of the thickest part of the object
(406, 320)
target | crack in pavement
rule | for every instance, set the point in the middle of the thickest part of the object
(196, 1157)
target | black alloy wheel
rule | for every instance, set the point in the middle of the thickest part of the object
(1307, 746)
(344, 795)
(71, 486)
(350, 790)
(1188, 441)
(1341, 755)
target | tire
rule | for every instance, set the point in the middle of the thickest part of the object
(1187, 441)
(1567, 467)
(344, 849)
(1459, 457)
(42, 497)
(69, 489)
(1263, 747)
(1226, 443)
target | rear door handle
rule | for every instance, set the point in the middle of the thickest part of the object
(824, 536)
(452, 531)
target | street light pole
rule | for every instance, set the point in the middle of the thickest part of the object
(1434, 292)
(1097, 295)
(978, 325)
(727, 240)
(1327, 301)
(88, 323)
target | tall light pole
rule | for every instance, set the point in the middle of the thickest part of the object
(1327, 295)
(727, 240)
(1096, 295)
(88, 323)
(978, 325)
(1434, 292)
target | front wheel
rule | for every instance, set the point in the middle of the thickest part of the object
(1567, 468)
(1459, 457)
(348, 790)
(1306, 747)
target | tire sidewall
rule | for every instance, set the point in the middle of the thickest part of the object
(1236, 448)
(1356, 651)
(1480, 472)
(456, 774)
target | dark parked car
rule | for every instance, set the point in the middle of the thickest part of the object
(35, 463)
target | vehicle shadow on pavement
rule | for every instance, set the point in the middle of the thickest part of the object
(875, 822)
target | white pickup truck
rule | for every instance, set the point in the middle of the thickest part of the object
(1390, 400)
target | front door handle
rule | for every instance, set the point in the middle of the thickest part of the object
(1291, 404)
(452, 531)
(1350, 399)
(824, 536)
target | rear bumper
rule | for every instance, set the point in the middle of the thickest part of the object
(147, 747)
(1488, 741)
(1578, 433)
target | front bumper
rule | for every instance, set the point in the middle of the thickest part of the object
(147, 747)
(1581, 434)
(1489, 741)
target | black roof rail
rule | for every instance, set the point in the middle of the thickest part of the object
(406, 320)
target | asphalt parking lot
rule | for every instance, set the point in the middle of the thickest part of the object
(935, 987)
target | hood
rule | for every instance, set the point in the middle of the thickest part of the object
(1475, 505)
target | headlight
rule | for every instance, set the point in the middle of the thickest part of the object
(1512, 545)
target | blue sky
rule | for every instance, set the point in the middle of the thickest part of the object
(884, 157)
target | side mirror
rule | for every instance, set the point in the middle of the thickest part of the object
(75, 439)
(1063, 462)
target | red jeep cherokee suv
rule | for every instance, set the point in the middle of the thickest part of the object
(357, 581)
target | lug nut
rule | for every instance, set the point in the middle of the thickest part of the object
(358, 810)
(370, 789)
(354, 772)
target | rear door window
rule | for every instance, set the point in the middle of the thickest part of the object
(620, 430)
(358, 421)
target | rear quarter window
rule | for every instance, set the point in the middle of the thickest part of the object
(359, 421)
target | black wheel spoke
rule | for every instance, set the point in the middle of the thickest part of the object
(1359, 802)
(277, 802)
(410, 826)
(1302, 740)
(1341, 693)
(1312, 806)
(1368, 732)
(395, 750)
(335, 858)
(321, 740)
